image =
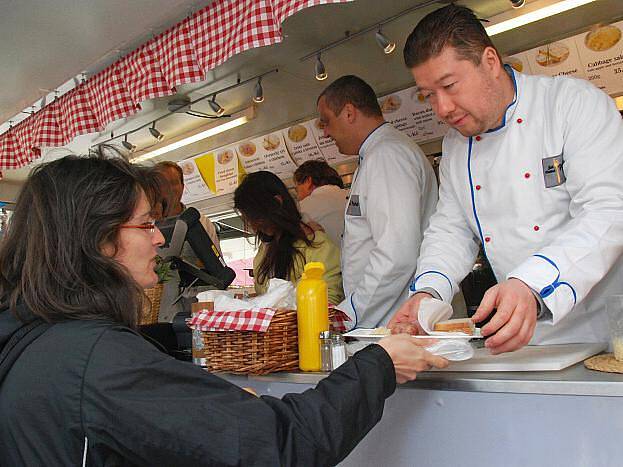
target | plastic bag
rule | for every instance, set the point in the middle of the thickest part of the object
(455, 350)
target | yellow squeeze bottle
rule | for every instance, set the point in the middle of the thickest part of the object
(312, 303)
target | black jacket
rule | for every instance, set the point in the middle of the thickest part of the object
(95, 383)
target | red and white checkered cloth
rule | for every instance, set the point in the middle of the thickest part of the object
(183, 54)
(257, 320)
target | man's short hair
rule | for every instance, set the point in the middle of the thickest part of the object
(320, 172)
(454, 26)
(353, 90)
(163, 166)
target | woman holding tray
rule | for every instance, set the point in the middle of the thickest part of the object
(78, 385)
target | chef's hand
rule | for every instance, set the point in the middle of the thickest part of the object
(515, 319)
(405, 319)
(409, 356)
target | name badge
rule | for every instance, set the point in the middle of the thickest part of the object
(354, 209)
(554, 171)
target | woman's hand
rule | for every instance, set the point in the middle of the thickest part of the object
(409, 356)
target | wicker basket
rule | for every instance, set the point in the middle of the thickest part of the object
(248, 352)
(151, 306)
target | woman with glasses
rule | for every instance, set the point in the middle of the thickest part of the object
(78, 384)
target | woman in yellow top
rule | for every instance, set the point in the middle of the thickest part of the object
(286, 243)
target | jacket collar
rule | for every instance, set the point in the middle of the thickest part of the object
(371, 138)
(510, 109)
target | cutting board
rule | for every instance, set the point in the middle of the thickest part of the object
(529, 358)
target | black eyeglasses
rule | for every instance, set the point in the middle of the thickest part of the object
(149, 227)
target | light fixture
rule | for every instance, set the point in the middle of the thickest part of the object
(517, 3)
(156, 133)
(258, 94)
(385, 44)
(216, 108)
(321, 73)
(126, 144)
(530, 13)
(240, 118)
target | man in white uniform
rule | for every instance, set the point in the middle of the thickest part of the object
(533, 171)
(322, 197)
(393, 194)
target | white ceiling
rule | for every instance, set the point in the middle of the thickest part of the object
(44, 43)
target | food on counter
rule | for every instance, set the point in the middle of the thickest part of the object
(602, 38)
(390, 104)
(515, 63)
(297, 133)
(552, 54)
(271, 142)
(465, 325)
(382, 331)
(225, 157)
(247, 149)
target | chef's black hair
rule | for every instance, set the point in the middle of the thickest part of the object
(454, 26)
(351, 89)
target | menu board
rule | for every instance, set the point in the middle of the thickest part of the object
(327, 146)
(601, 53)
(272, 149)
(595, 55)
(195, 189)
(409, 112)
(251, 159)
(556, 59)
(301, 143)
(398, 111)
(219, 170)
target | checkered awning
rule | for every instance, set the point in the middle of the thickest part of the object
(180, 55)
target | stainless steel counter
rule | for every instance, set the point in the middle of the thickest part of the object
(575, 380)
(569, 418)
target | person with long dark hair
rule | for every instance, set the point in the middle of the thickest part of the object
(286, 242)
(78, 384)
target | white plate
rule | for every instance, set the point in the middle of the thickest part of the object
(369, 335)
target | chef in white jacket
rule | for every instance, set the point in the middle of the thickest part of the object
(532, 171)
(393, 194)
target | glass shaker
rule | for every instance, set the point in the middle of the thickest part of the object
(338, 351)
(325, 351)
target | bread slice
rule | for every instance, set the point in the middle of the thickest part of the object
(465, 325)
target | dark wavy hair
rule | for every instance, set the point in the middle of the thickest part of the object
(263, 200)
(51, 259)
(320, 172)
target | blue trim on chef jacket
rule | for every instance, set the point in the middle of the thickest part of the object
(550, 289)
(352, 304)
(512, 75)
(412, 286)
(471, 189)
(366, 139)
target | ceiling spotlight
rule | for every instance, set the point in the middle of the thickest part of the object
(258, 95)
(517, 3)
(216, 108)
(126, 144)
(385, 44)
(156, 133)
(321, 73)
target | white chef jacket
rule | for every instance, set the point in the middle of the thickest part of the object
(326, 205)
(544, 194)
(393, 195)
